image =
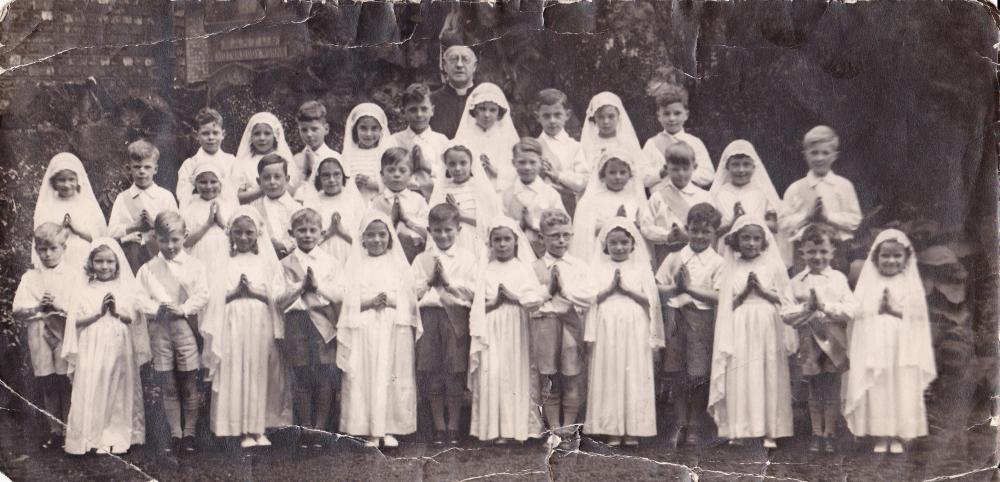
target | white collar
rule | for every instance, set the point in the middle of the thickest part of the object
(534, 186)
(562, 136)
(136, 191)
(678, 133)
(181, 258)
(814, 180)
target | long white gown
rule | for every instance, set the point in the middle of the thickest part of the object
(106, 408)
(350, 209)
(621, 400)
(213, 248)
(379, 395)
(241, 391)
(500, 371)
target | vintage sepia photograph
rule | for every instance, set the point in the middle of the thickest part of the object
(499, 240)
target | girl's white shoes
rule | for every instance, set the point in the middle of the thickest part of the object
(614, 442)
(896, 447)
(262, 440)
(883, 445)
(248, 441)
(372, 442)
(390, 442)
(769, 443)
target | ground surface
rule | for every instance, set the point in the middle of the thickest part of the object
(967, 459)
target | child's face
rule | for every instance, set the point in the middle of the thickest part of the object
(50, 253)
(751, 241)
(142, 172)
(606, 119)
(552, 118)
(527, 165)
(700, 236)
(820, 157)
(672, 117)
(396, 176)
(740, 169)
(104, 265)
(273, 181)
(418, 114)
(369, 132)
(487, 114)
(313, 133)
(331, 178)
(170, 244)
(65, 183)
(443, 233)
(616, 174)
(208, 185)
(243, 234)
(619, 245)
(306, 234)
(376, 238)
(557, 239)
(262, 139)
(503, 244)
(817, 255)
(459, 166)
(679, 174)
(891, 258)
(210, 137)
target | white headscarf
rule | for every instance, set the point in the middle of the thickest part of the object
(625, 133)
(244, 153)
(227, 193)
(638, 261)
(84, 209)
(487, 202)
(586, 209)
(406, 311)
(724, 345)
(868, 357)
(124, 286)
(353, 151)
(499, 144)
(760, 178)
(307, 192)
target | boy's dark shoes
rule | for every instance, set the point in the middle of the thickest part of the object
(675, 436)
(188, 445)
(54, 442)
(828, 445)
(452, 437)
(438, 438)
(816, 444)
(693, 438)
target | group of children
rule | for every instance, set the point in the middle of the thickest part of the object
(536, 273)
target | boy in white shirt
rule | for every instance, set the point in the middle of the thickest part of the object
(173, 292)
(687, 280)
(561, 164)
(419, 139)
(822, 197)
(406, 208)
(313, 129)
(210, 135)
(672, 112)
(670, 200)
(276, 205)
(528, 196)
(132, 215)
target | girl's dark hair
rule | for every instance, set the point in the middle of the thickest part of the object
(620, 230)
(232, 245)
(604, 167)
(500, 110)
(354, 129)
(89, 268)
(388, 245)
(906, 249)
(317, 183)
(490, 237)
(733, 239)
(734, 156)
(456, 148)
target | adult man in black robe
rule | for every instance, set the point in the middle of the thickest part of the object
(459, 66)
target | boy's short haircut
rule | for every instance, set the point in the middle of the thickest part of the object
(821, 135)
(817, 233)
(208, 115)
(394, 155)
(679, 153)
(672, 94)
(270, 160)
(169, 222)
(704, 213)
(317, 183)
(551, 97)
(526, 145)
(551, 218)
(415, 94)
(311, 111)
(443, 213)
(51, 233)
(305, 215)
(142, 150)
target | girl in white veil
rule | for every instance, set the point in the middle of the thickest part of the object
(892, 360)
(607, 126)
(466, 185)
(496, 139)
(362, 157)
(106, 340)
(750, 391)
(378, 328)
(240, 328)
(623, 331)
(335, 196)
(607, 197)
(263, 135)
(66, 198)
(206, 218)
(504, 402)
(754, 192)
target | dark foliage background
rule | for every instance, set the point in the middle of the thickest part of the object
(909, 86)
